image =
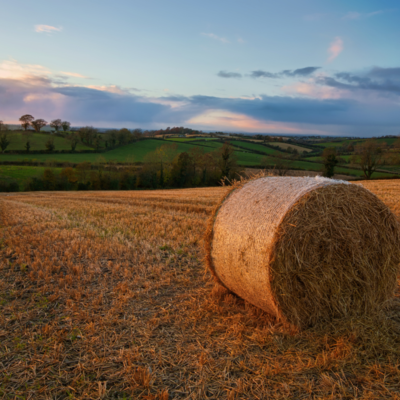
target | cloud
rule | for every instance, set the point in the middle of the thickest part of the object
(221, 119)
(11, 69)
(307, 112)
(263, 74)
(335, 49)
(353, 15)
(215, 37)
(385, 81)
(385, 73)
(301, 72)
(47, 29)
(226, 74)
(313, 90)
(73, 74)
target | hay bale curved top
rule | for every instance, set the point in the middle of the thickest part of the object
(305, 249)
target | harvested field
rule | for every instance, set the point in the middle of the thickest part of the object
(105, 295)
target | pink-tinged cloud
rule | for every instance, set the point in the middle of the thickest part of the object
(335, 49)
(32, 89)
(46, 29)
(227, 120)
(11, 69)
(74, 75)
(312, 90)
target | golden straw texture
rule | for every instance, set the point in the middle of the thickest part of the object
(306, 249)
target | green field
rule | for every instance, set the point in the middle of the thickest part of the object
(194, 139)
(256, 147)
(38, 142)
(21, 173)
(394, 168)
(388, 141)
(134, 152)
(285, 146)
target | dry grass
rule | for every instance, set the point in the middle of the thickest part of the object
(105, 295)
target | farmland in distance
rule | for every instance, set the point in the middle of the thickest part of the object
(105, 295)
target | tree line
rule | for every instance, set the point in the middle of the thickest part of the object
(369, 156)
(163, 168)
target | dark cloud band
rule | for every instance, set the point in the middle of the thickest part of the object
(226, 74)
(301, 72)
(43, 98)
(383, 80)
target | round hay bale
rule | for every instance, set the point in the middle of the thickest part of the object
(305, 249)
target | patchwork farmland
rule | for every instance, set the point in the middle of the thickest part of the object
(105, 295)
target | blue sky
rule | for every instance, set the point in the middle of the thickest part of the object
(312, 67)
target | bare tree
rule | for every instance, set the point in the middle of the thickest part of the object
(56, 124)
(65, 125)
(368, 155)
(38, 124)
(26, 120)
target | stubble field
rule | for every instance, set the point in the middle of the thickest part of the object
(105, 295)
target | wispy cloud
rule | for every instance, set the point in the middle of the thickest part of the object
(352, 15)
(74, 75)
(47, 29)
(335, 49)
(227, 74)
(216, 37)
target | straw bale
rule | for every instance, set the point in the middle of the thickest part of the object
(305, 249)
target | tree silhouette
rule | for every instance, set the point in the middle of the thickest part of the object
(65, 125)
(56, 124)
(227, 160)
(74, 141)
(50, 146)
(4, 142)
(368, 156)
(329, 160)
(26, 120)
(38, 124)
